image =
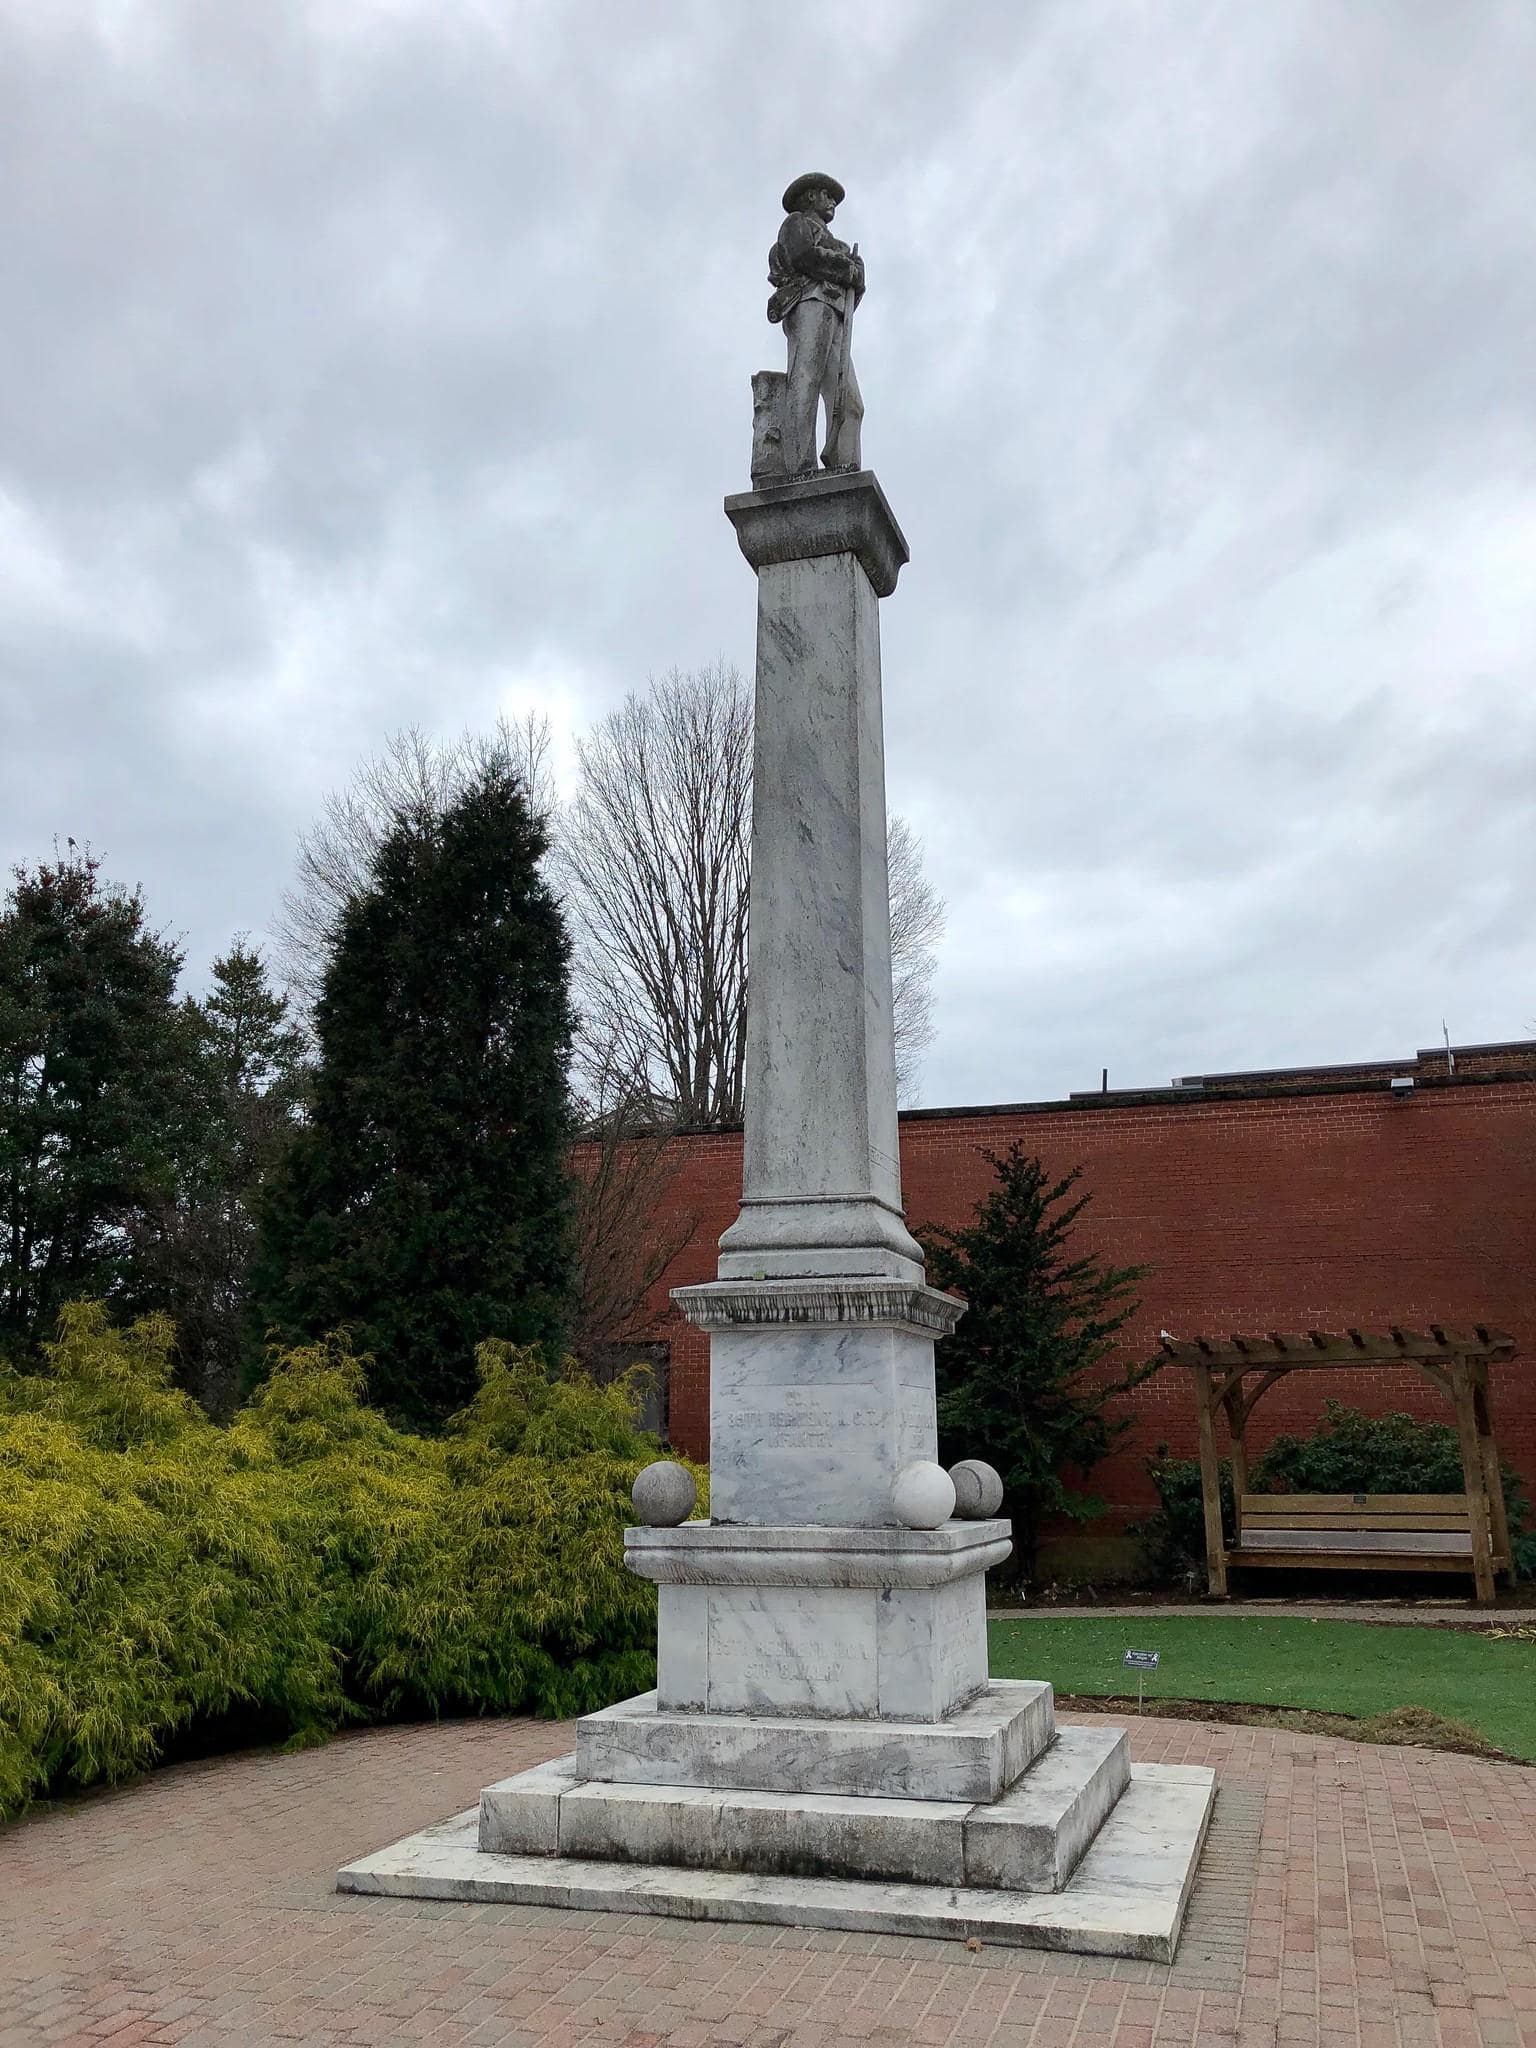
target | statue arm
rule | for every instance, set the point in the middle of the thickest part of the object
(810, 251)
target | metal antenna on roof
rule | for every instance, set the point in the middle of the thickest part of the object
(1450, 1057)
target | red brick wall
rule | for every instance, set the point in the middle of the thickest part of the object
(1277, 1211)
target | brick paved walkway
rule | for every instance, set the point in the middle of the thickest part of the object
(1394, 1902)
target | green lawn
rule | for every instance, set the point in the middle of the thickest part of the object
(1338, 1667)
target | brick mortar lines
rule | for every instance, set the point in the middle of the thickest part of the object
(1291, 1211)
(195, 1908)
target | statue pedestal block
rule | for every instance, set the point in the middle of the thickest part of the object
(885, 1624)
(821, 1394)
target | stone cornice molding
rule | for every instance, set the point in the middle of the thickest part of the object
(864, 1304)
(843, 512)
(708, 1554)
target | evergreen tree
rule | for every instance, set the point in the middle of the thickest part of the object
(1026, 1379)
(192, 1252)
(425, 1205)
(93, 1055)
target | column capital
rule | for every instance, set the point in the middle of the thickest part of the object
(852, 1303)
(840, 512)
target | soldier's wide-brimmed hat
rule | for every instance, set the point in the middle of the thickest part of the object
(813, 181)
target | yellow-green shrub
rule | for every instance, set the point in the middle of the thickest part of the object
(308, 1564)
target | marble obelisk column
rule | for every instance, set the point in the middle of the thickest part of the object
(821, 1192)
(821, 1358)
(821, 1324)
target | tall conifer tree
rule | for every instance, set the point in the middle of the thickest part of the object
(191, 1253)
(425, 1205)
(1027, 1380)
(93, 1055)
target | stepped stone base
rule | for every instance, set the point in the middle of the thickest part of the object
(1126, 1897)
(1031, 1839)
(975, 1754)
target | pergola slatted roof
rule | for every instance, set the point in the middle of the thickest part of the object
(1440, 1344)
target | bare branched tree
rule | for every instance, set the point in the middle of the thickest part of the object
(653, 860)
(917, 928)
(413, 776)
(653, 864)
(626, 1161)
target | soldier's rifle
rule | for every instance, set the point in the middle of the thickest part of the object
(845, 357)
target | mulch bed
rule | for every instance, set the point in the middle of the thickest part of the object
(1403, 1727)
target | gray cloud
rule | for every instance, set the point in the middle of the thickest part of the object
(363, 365)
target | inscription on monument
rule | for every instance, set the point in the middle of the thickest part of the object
(808, 1419)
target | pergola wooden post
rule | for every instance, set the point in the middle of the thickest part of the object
(1456, 1361)
(1210, 1482)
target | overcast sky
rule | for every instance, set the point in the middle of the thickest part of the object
(375, 362)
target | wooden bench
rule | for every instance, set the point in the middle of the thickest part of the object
(1379, 1532)
(1456, 1532)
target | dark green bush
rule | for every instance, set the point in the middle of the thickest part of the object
(311, 1564)
(1350, 1452)
(1354, 1453)
(1173, 1539)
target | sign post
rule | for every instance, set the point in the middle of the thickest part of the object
(1141, 1662)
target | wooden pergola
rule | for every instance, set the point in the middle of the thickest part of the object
(1455, 1361)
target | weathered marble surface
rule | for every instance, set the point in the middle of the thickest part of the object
(800, 1554)
(823, 1301)
(821, 1394)
(791, 1650)
(821, 1186)
(521, 1816)
(1036, 1834)
(1126, 1898)
(915, 1841)
(814, 1426)
(973, 1755)
(932, 1650)
(892, 1653)
(1031, 1839)
(822, 515)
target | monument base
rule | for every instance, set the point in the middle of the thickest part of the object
(1031, 1838)
(990, 1822)
(973, 1755)
(1126, 1897)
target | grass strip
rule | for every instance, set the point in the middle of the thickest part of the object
(1331, 1667)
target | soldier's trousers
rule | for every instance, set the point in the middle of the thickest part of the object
(815, 334)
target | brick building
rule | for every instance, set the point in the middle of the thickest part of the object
(1301, 1198)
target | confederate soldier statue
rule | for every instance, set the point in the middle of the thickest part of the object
(817, 281)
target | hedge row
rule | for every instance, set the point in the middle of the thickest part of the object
(308, 1565)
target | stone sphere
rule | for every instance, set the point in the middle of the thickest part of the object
(978, 1490)
(923, 1496)
(664, 1495)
